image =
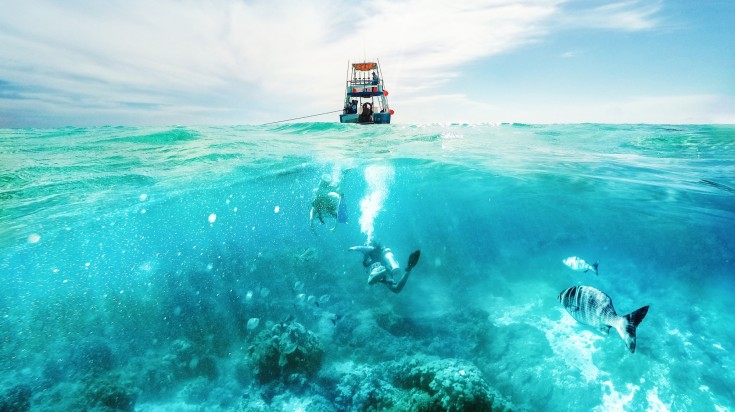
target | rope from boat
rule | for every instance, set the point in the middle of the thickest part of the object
(302, 117)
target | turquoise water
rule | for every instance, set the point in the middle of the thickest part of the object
(142, 268)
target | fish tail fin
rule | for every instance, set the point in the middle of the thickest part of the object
(594, 267)
(630, 323)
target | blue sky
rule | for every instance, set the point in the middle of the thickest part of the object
(193, 62)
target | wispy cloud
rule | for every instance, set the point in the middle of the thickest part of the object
(627, 15)
(570, 54)
(195, 61)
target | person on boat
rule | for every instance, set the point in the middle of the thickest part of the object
(381, 266)
(326, 202)
(375, 78)
(352, 107)
(367, 113)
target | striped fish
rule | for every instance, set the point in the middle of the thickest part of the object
(579, 264)
(593, 307)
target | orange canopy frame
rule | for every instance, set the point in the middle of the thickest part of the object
(364, 67)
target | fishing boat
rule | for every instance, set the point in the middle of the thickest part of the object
(366, 100)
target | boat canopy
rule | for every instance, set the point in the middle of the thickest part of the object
(364, 67)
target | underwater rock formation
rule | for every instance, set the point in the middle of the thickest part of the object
(420, 385)
(363, 388)
(16, 399)
(110, 394)
(283, 350)
(183, 360)
(453, 385)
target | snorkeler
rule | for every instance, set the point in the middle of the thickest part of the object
(327, 202)
(382, 267)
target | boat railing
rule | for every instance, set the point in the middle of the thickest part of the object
(367, 82)
(364, 90)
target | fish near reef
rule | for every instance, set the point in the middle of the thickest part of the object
(593, 307)
(579, 264)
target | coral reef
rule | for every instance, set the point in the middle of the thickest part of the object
(363, 388)
(453, 385)
(110, 394)
(183, 360)
(16, 399)
(418, 385)
(283, 350)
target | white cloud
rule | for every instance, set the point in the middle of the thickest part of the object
(627, 15)
(234, 53)
(234, 61)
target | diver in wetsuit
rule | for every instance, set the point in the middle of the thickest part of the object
(326, 202)
(381, 266)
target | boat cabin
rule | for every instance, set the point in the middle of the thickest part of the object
(366, 100)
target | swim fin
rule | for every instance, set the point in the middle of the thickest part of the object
(413, 260)
(342, 210)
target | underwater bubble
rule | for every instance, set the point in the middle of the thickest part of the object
(209, 267)
(234, 210)
(212, 218)
(324, 299)
(298, 286)
(143, 197)
(253, 323)
(34, 238)
(276, 209)
(264, 292)
(249, 295)
(142, 211)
